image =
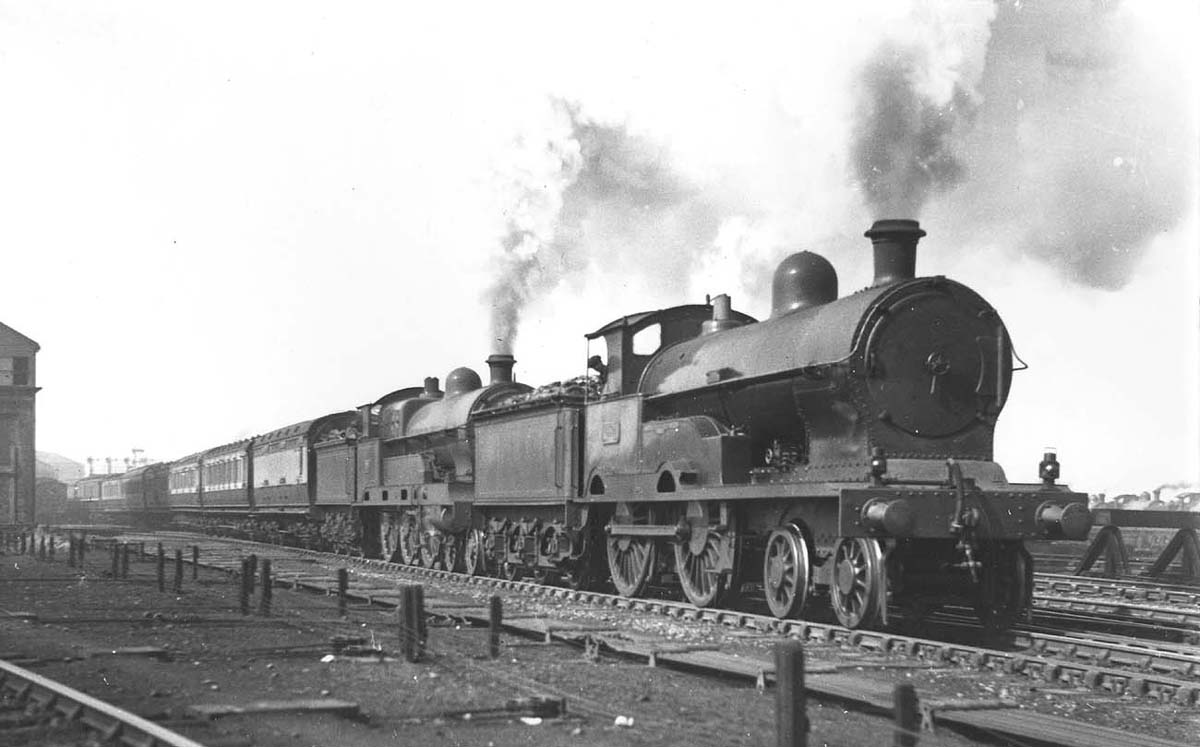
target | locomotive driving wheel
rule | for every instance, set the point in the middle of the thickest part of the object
(1005, 589)
(631, 560)
(408, 540)
(786, 571)
(858, 581)
(475, 553)
(706, 561)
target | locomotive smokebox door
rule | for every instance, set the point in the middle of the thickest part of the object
(931, 369)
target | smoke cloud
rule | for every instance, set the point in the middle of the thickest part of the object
(1045, 125)
(593, 195)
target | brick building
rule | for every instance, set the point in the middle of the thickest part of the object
(18, 460)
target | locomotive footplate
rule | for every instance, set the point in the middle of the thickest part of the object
(933, 512)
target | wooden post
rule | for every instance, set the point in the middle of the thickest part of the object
(162, 568)
(178, 570)
(195, 562)
(253, 570)
(51, 548)
(791, 707)
(343, 585)
(264, 606)
(125, 560)
(71, 550)
(80, 548)
(495, 617)
(116, 562)
(408, 636)
(245, 590)
(22, 543)
(908, 719)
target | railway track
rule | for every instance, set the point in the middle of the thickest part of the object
(37, 710)
(1114, 665)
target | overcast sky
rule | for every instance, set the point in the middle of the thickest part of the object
(221, 218)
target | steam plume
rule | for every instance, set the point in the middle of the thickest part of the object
(593, 195)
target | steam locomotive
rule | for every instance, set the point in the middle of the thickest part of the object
(841, 446)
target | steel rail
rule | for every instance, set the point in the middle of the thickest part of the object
(1132, 589)
(113, 724)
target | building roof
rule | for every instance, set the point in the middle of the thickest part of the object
(9, 336)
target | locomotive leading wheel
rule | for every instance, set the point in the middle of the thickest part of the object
(705, 562)
(475, 554)
(631, 559)
(1006, 585)
(858, 581)
(408, 540)
(786, 572)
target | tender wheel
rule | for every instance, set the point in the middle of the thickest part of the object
(858, 581)
(582, 573)
(631, 560)
(431, 550)
(705, 562)
(475, 553)
(1005, 585)
(409, 540)
(451, 557)
(786, 572)
(389, 536)
(511, 571)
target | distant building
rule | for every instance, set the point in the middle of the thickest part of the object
(18, 463)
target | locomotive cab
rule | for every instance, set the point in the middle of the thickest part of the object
(631, 341)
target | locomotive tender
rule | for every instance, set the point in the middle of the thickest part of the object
(841, 445)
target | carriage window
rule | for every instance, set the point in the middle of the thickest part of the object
(648, 340)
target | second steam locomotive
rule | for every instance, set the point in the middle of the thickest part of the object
(842, 446)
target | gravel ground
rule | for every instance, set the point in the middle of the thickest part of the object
(218, 657)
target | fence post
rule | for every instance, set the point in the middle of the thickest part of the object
(343, 581)
(71, 550)
(178, 570)
(404, 620)
(125, 560)
(495, 617)
(116, 562)
(791, 707)
(264, 608)
(908, 720)
(51, 548)
(245, 590)
(195, 562)
(252, 566)
(162, 568)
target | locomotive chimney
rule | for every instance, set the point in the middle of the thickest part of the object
(501, 366)
(895, 243)
(431, 388)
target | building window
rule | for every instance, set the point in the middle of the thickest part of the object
(20, 371)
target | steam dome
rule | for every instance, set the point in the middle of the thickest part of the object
(802, 280)
(462, 380)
